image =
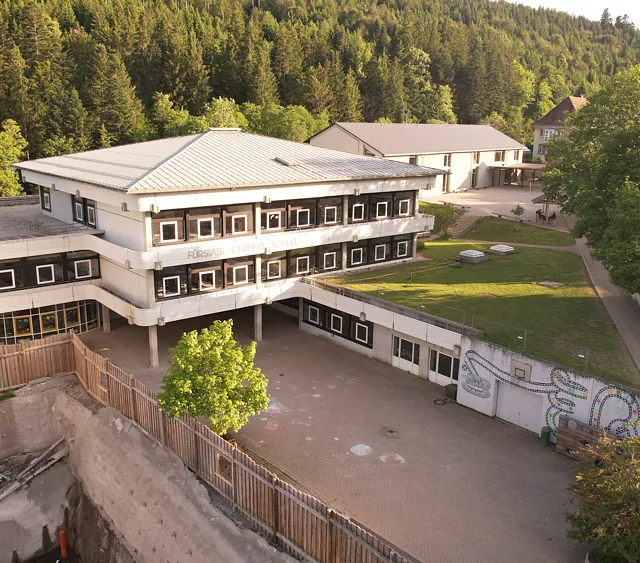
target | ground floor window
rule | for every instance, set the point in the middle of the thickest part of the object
(444, 364)
(33, 324)
(313, 314)
(402, 249)
(406, 350)
(338, 323)
(330, 262)
(361, 333)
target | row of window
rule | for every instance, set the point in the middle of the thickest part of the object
(31, 324)
(23, 273)
(83, 210)
(499, 156)
(177, 226)
(177, 281)
(338, 323)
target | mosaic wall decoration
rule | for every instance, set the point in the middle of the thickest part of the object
(621, 427)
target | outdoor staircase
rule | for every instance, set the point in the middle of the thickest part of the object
(466, 221)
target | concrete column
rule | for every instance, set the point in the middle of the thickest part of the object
(345, 209)
(414, 246)
(153, 346)
(148, 232)
(257, 270)
(257, 218)
(257, 323)
(106, 319)
(343, 255)
(300, 311)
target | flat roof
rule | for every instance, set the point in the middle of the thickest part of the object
(19, 222)
(217, 159)
(402, 139)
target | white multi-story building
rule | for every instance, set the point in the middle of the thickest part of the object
(552, 124)
(473, 156)
(183, 227)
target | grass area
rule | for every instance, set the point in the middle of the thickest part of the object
(503, 230)
(504, 291)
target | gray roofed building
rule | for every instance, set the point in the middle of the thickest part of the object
(219, 158)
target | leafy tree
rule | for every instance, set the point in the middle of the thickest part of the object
(447, 215)
(606, 499)
(595, 172)
(172, 122)
(12, 147)
(224, 112)
(518, 211)
(212, 375)
(544, 100)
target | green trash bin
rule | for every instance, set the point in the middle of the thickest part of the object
(545, 436)
(451, 392)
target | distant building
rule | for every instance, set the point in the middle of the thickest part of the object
(473, 156)
(551, 124)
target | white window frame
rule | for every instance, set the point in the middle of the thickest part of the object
(79, 216)
(547, 133)
(175, 226)
(279, 263)
(233, 224)
(406, 248)
(164, 286)
(353, 212)
(244, 267)
(279, 214)
(408, 204)
(50, 268)
(298, 264)
(476, 157)
(366, 337)
(335, 260)
(207, 220)
(13, 279)
(316, 310)
(386, 209)
(298, 212)
(375, 252)
(361, 251)
(200, 274)
(333, 317)
(46, 200)
(335, 209)
(91, 221)
(75, 269)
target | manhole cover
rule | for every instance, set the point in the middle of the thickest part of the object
(439, 402)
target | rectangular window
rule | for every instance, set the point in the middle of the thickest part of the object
(447, 159)
(542, 149)
(433, 360)
(330, 215)
(404, 206)
(396, 346)
(456, 369)
(499, 156)
(314, 315)
(303, 218)
(82, 269)
(46, 198)
(516, 155)
(239, 224)
(413, 160)
(7, 279)
(380, 252)
(381, 209)
(274, 269)
(78, 211)
(207, 280)
(330, 259)
(240, 275)
(357, 212)
(72, 317)
(362, 333)
(357, 256)
(476, 157)
(336, 323)
(205, 228)
(274, 220)
(168, 231)
(91, 215)
(548, 134)
(49, 322)
(474, 177)
(171, 286)
(302, 265)
(22, 325)
(402, 249)
(45, 274)
(445, 363)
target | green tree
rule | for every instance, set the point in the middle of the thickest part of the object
(595, 172)
(224, 112)
(12, 147)
(544, 100)
(172, 122)
(606, 497)
(212, 375)
(518, 211)
(262, 87)
(447, 215)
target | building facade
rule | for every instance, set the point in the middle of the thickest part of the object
(552, 124)
(178, 228)
(470, 155)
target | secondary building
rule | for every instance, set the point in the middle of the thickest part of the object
(473, 156)
(552, 124)
(183, 227)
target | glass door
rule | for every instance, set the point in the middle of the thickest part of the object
(406, 355)
(443, 368)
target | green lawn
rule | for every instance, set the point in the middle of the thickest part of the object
(504, 291)
(503, 230)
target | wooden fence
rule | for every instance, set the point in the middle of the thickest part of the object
(303, 526)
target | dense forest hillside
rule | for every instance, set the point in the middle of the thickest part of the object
(77, 74)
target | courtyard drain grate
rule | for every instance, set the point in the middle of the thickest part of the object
(439, 402)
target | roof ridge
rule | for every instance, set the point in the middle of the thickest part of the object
(197, 137)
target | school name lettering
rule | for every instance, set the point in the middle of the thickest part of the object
(239, 249)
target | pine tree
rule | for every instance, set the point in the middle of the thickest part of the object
(262, 87)
(39, 40)
(320, 92)
(12, 148)
(13, 83)
(349, 102)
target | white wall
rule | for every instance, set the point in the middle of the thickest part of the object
(537, 140)
(124, 228)
(338, 139)
(60, 206)
(131, 284)
(486, 385)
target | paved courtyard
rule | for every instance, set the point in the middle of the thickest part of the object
(444, 483)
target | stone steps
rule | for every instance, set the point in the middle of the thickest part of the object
(463, 224)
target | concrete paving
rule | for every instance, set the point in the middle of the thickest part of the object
(444, 483)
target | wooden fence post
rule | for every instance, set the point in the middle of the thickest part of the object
(132, 400)
(233, 474)
(331, 535)
(196, 448)
(276, 510)
(163, 427)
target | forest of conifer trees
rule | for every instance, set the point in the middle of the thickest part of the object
(81, 74)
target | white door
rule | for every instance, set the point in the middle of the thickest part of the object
(406, 355)
(443, 368)
(520, 407)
